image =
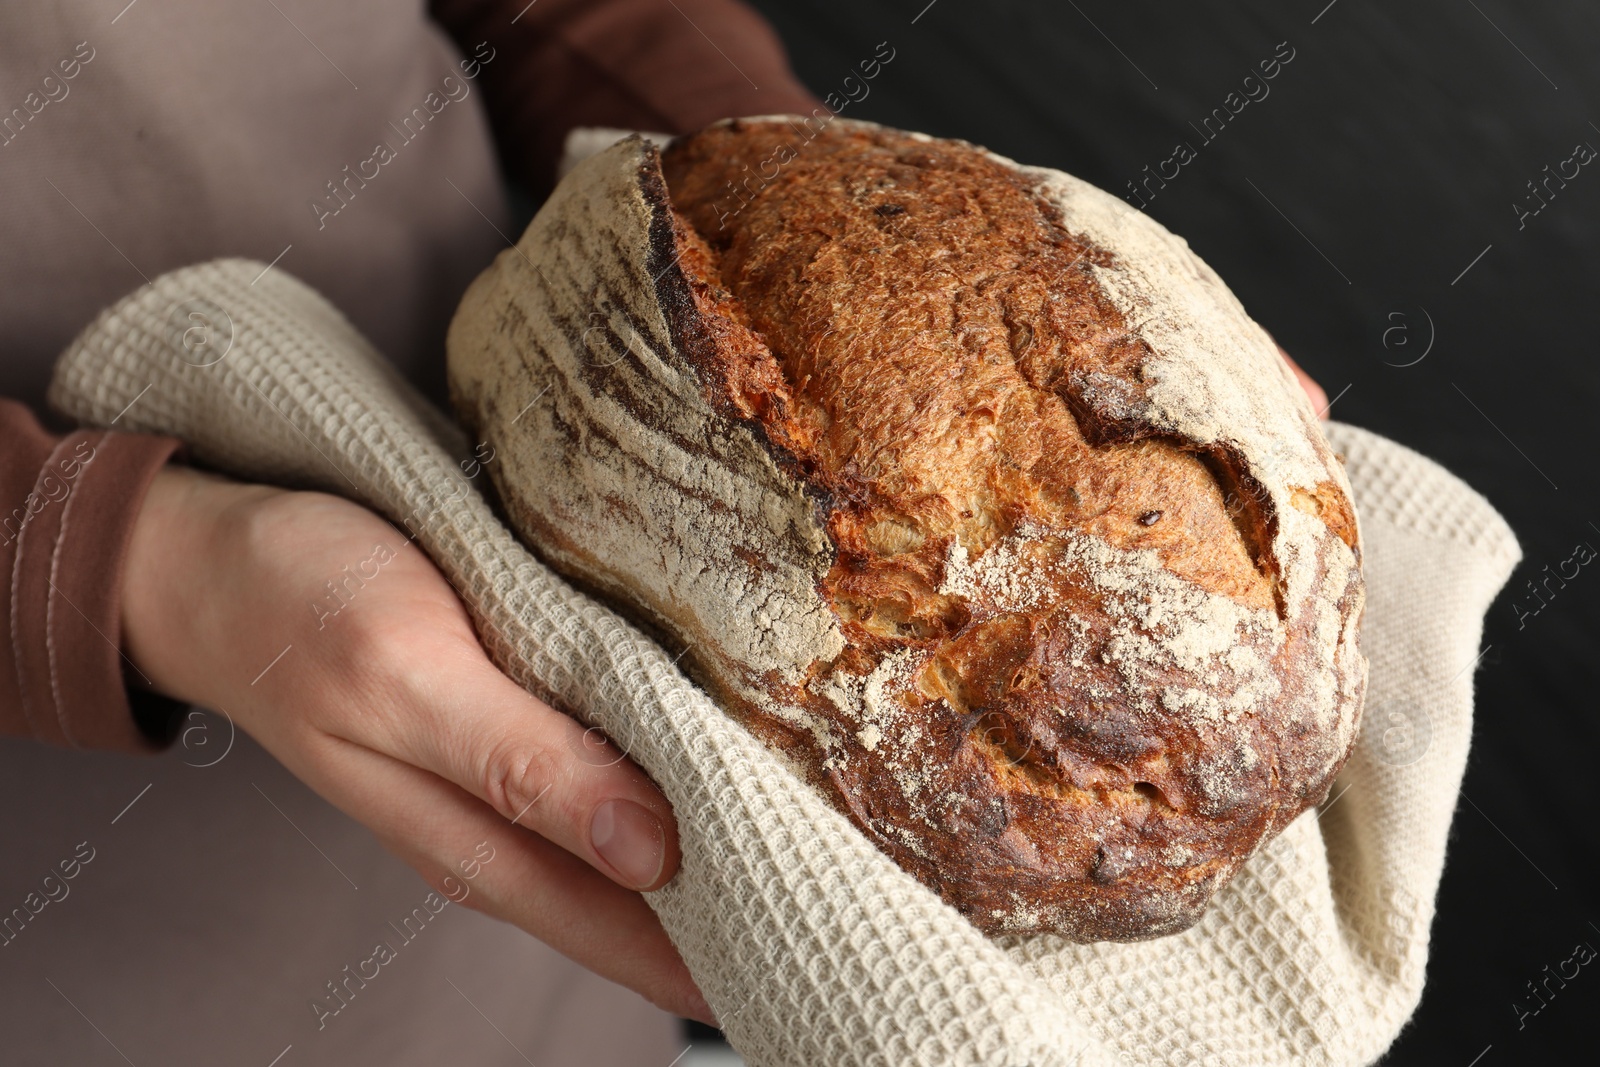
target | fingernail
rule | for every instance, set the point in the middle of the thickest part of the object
(700, 1011)
(629, 838)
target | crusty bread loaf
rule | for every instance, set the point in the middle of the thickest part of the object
(970, 490)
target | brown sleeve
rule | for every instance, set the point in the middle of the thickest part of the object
(669, 65)
(67, 508)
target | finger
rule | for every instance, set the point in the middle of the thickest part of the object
(1313, 391)
(470, 724)
(438, 829)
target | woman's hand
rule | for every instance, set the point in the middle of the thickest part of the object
(335, 643)
(1314, 392)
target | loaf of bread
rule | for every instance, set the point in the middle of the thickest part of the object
(967, 488)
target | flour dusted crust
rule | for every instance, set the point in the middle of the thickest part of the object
(970, 490)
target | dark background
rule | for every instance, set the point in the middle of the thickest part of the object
(1395, 142)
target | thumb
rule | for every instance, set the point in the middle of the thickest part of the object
(539, 768)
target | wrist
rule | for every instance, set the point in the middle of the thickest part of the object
(171, 581)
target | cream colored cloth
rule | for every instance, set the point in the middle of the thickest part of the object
(811, 946)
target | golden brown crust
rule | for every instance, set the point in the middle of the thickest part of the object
(968, 309)
(916, 335)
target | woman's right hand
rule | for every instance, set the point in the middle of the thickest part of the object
(380, 698)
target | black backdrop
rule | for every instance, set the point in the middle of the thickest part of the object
(1343, 204)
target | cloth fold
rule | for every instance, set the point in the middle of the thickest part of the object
(811, 946)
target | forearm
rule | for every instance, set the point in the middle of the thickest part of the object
(670, 65)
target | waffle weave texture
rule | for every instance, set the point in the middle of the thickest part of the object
(811, 946)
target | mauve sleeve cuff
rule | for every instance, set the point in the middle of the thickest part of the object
(69, 508)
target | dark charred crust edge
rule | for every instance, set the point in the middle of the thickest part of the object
(672, 289)
(693, 339)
